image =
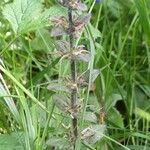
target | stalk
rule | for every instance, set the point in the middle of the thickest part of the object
(73, 77)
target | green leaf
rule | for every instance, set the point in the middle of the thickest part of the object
(11, 142)
(4, 92)
(115, 117)
(56, 87)
(144, 17)
(83, 79)
(28, 15)
(112, 100)
(59, 143)
(95, 32)
(135, 147)
(61, 102)
(142, 113)
(42, 41)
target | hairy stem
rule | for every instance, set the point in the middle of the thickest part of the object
(73, 77)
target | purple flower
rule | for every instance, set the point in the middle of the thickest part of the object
(97, 1)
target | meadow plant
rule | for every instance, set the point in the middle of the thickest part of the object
(71, 25)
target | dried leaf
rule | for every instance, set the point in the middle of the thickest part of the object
(93, 134)
(61, 102)
(58, 87)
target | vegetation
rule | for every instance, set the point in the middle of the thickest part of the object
(54, 98)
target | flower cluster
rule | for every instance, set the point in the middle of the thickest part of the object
(61, 25)
(73, 4)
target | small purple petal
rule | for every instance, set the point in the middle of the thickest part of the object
(97, 1)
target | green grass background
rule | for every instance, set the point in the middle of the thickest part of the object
(118, 37)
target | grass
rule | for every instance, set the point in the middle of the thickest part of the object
(118, 38)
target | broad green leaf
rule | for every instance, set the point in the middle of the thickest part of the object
(115, 117)
(28, 15)
(112, 100)
(13, 141)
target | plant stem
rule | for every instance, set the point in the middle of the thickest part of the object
(73, 77)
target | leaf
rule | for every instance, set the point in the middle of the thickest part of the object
(112, 100)
(62, 46)
(83, 19)
(57, 31)
(94, 74)
(83, 79)
(11, 141)
(142, 113)
(61, 102)
(58, 143)
(144, 17)
(142, 97)
(28, 15)
(81, 6)
(4, 91)
(84, 57)
(115, 117)
(91, 117)
(41, 42)
(95, 32)
(114, 8)
(57, 87)
(93, 134)
(134, 147)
